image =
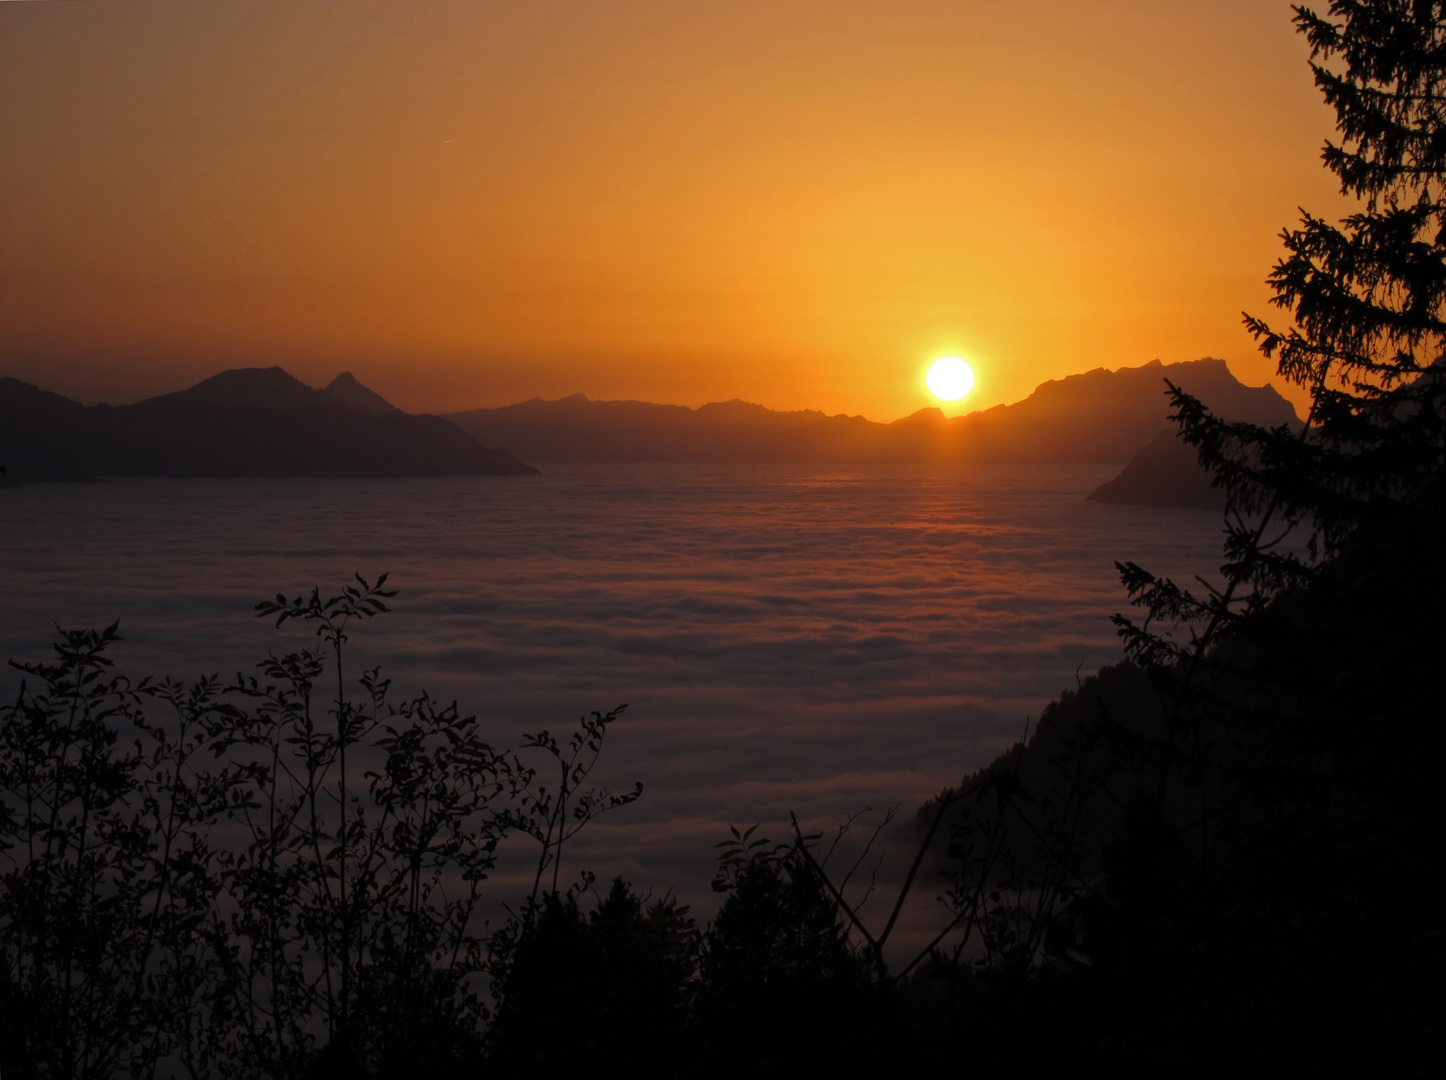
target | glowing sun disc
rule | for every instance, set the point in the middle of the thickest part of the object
(949, 378)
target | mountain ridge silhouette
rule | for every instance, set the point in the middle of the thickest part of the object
(242, 422)
(1095, 417)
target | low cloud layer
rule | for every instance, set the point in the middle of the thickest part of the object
(786, 638)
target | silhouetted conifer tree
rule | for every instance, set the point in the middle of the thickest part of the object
(1266, 903)
(603, 989)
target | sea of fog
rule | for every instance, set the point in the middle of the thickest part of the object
(808, 638)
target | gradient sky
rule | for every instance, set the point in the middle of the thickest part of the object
(471, 202)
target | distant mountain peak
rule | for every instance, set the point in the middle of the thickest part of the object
(928, 415)
(242, 422)
(347, 389)
(241, 387)
(249, 377)
(734, 407)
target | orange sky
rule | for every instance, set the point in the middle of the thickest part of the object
(471, 202)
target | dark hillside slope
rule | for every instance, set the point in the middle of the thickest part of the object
(1303, 921)
(1166, 472)
(1097, 417)
(45, 436)
(243, 422)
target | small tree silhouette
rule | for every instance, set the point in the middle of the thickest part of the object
(261, 882)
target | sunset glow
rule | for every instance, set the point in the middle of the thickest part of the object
(472, 204)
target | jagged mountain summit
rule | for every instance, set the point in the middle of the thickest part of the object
(242, 422)
(1099, 417)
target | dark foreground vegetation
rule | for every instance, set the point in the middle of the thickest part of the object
(1220, 857)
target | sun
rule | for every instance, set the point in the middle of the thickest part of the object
(949, 378)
